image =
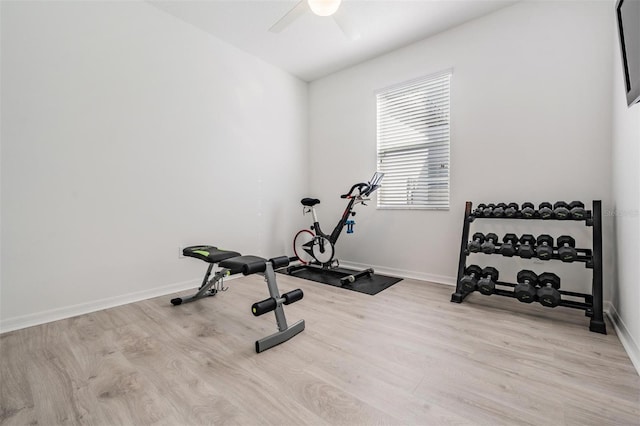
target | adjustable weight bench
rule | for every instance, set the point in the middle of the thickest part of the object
(231, 263)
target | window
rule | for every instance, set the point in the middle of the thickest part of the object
(413, 143)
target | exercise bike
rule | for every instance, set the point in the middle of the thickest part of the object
(313, 246)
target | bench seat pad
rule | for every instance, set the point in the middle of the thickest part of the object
(236, 264)
(209, 254)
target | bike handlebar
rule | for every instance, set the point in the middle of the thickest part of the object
(357, 186)
(368, 187)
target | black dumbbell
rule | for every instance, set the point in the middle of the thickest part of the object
(479, 211)
(544, 247)
(525, 290)
(548, 294)
(509, 244)
(528, 209)
(498, 210)
(475, 245)
(545, 210)
(526, 247)
(487, 284)
(489, 245)
(488, 210)
(561, 210)
(470, 280)
(511, 210)
(577, 210)
(566, 248)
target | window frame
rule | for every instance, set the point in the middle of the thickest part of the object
(425, 79)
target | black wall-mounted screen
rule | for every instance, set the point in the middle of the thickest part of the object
(628, 15)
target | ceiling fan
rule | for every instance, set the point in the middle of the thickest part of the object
(320, 8)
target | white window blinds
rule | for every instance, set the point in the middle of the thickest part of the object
(413, 143)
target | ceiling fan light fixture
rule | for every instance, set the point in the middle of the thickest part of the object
(324, 7)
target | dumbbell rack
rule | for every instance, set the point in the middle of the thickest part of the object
(592, 258)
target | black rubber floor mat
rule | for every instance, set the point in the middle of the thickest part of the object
(372, 285)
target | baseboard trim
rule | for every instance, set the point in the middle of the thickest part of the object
(415, 275)
(17, 323)
(38, 318)
(630, 345)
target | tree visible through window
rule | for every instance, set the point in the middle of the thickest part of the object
(413, 143)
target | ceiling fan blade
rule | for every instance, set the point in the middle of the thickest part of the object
(345, 23)
(297, 11)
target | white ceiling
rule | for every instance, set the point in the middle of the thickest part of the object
(313, 46)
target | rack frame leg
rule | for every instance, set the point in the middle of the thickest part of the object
(597, 326)
(459, 295)
(597, 323)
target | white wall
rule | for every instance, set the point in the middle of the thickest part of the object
(127, 133)
(530, 121)
(625, 212)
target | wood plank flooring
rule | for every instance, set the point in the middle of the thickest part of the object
(406, 356)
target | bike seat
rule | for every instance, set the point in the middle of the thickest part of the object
(310, 202)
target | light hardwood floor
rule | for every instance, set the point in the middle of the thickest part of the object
(404, 356)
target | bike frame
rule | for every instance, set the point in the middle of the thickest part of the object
(341, 223)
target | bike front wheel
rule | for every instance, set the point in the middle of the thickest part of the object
(322, 250)
(303, 246)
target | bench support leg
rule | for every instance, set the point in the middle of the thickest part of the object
(204, 288)
(285, 332)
